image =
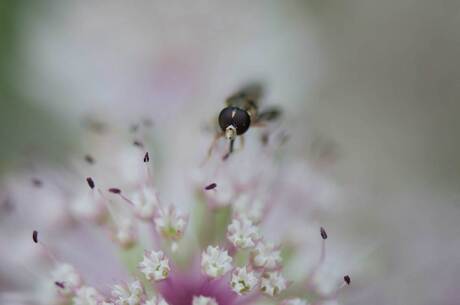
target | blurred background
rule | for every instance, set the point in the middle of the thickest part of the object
(376, 83)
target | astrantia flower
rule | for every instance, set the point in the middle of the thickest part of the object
(272, 283)
(215, 261)
(243, 233)
(243, 281)
(170, 223)
(155, 266)
(128, 294)
(223, 257)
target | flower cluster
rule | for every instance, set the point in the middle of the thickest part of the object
(215, 255)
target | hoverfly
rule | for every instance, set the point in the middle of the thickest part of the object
(241, 112)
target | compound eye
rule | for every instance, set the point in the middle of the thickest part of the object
(236, 117)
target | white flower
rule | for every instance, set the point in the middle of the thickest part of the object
(272, 283)
(67, 277)
(156, 300)
(125, 233)
(170, 223)
(295, 301)
(144, 203)
(215, 262)
(87, 296)
(243, 281)
(202, 300)
(155, 266)
(243, 233)
(128, 294)
(266, 255)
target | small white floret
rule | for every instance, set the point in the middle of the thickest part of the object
(155, 266)
(215, 262)
(272, 283)
(243, 281)
(243, 233)
(128, 294)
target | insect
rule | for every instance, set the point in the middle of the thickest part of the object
(241, 112)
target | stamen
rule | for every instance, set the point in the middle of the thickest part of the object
(44, 247)
(90, 182)
(323, 233)
(35, 236)
(114, 190)
(124, 234)
(210, 186)
(146, 157)
(347, 279)
(59, 284)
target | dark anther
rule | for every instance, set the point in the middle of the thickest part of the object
(35, 236)
(59, 284)
(89, 159)
(138, 144)
(347, 279)
(37, 182)
(90, 182)
(115, 190)
(323, 233)
(146, 157)
(210, 186)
